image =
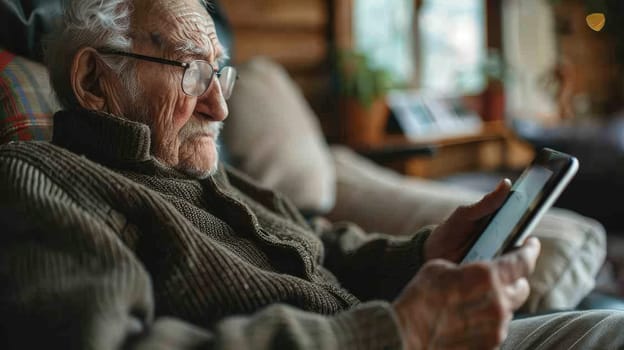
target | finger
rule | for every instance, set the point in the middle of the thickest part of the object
(478, 279)
(490, 202)
(517, 293)
(519, 263)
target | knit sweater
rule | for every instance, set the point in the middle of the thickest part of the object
(104, 247)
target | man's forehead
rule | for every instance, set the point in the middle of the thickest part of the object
(182, 25)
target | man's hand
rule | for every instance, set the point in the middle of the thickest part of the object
(452, 239)
(467, 307)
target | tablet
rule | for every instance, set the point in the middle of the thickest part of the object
(537, 188)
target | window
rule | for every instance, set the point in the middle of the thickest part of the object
(384, 31)
(452, 46)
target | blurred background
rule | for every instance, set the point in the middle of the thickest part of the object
(484, 82)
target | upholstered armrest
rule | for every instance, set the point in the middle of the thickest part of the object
(381, 200)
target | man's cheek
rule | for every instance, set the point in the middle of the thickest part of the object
(179, 121)
(183, 109)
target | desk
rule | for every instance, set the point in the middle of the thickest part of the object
(494, 147)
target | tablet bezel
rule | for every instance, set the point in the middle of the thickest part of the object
(563, 167)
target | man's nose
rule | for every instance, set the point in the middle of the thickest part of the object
(212, 103)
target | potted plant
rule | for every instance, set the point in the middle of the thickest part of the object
(362, 89)
(494, 94)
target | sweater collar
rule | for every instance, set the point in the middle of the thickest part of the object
(102, 136)
(116, 142)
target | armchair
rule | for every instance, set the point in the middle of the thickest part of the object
(273, 135)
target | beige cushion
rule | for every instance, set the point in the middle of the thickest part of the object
(378, 199)
(274, 136)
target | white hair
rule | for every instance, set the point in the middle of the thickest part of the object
(88, 23)
(97, 24)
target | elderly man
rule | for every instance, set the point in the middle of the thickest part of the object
(125, 232)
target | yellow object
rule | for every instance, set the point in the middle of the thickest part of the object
(596, 21)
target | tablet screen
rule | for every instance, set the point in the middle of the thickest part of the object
(525, 194)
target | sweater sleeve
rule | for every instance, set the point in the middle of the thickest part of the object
(67, 281)
(53, 294)
(371, 265)
(367, 326)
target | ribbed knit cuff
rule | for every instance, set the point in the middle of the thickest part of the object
(401, 263)
(368, 326)
(410, 255)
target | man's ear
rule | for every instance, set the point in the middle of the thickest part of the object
(86, 73)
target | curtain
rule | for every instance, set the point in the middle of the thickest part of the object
(530, 53)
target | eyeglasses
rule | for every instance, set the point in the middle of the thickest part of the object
(197, 76)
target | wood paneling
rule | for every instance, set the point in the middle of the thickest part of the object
(588, 65)
(296, 34)
(295, 50)
(279, 14)
(343, 23)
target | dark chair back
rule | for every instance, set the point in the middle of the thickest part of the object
(26, 23)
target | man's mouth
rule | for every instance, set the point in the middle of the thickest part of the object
(209, 130)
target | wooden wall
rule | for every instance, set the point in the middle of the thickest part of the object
(588, 65)
(301, 34)
(297, 34)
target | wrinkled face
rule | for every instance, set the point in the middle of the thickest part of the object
(184, 128)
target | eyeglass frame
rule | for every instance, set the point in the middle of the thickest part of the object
(184, 65)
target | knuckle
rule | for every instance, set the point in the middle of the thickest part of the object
(480, 270)
(516, 264)
(480, 274)
(488, 275)
(438, 272)
(435, 267)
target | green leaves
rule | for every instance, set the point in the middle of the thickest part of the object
(359, 79)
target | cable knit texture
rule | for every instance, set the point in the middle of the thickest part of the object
(105, 247)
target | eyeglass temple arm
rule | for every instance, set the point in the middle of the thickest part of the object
(145, 58)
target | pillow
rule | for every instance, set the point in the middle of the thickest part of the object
(27, 102)
(273, 136)
(379, 199)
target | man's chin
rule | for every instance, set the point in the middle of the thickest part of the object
(200, 169)
(199, 158)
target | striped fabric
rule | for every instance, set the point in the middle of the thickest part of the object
(26, 99)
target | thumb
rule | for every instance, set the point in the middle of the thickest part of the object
(491, 201)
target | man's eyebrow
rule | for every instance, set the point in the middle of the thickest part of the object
(221, 54)
(191, 49)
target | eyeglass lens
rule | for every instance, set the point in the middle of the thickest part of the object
(227, 79)
(199, 74)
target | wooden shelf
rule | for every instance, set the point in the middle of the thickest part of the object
(494, 147)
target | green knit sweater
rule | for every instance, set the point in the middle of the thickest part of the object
(103, 247)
